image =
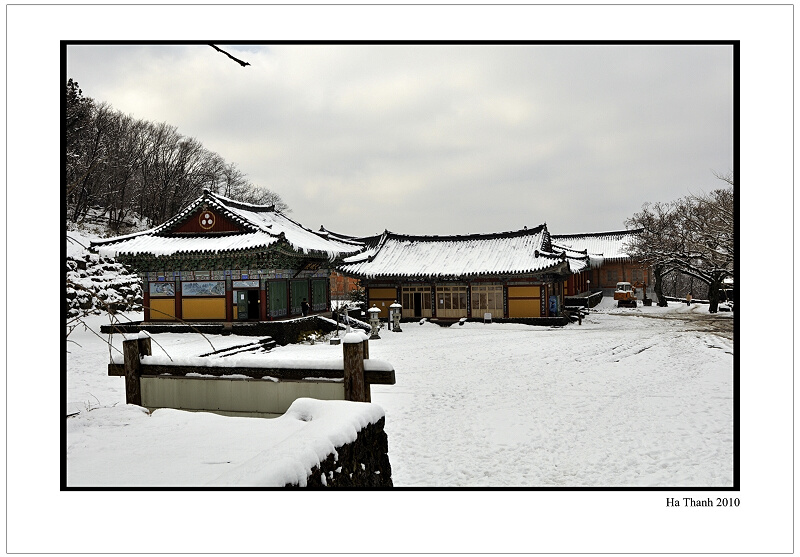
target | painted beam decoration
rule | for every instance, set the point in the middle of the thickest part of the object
(162, 289)
(203, 288)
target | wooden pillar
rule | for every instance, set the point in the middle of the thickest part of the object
(228, 299)
(367, 386)
(178, 299)
(328, 295)
(146, 300)
(132, 351)
(469, 300)
(544, 300)
(262, 297)
(288, 299)
(354, 384)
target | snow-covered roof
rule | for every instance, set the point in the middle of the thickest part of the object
(347, 238)
(396, 255)
(612, 246)
(261, 226)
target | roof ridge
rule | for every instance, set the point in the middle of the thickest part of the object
(597, 234)
(241, 204)
(485, 236)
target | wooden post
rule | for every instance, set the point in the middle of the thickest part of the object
(145, 347)
(133, 388)
(146, 299)
(367, 387)
(354, 384)
(178, 300)
(228, 299)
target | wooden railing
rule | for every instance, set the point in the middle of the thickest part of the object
(266, 389)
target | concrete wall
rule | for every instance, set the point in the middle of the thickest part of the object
(233, 396)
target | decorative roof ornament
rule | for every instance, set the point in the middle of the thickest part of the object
(206, 218)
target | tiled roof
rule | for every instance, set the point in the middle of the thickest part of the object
(262, 225)
(612, 246)
(396, 255)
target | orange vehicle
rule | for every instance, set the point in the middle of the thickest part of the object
(625, 295)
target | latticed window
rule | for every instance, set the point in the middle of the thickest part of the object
(487, 298)
(416, 301)
(451, 301)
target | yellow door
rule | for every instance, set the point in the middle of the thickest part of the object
(382, 298)
(162, 309)
(524, 301)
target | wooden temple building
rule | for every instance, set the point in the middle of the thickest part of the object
(519, 274)
(224, 260)
(613, 261)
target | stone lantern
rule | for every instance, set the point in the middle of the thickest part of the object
(374, 322)
(395, 311)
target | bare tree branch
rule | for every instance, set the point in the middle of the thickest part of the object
(241, 63)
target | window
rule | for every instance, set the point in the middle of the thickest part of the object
(487, 298)
(451, 301)
(416, 301)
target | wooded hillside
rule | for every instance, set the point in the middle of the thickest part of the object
(127, 167)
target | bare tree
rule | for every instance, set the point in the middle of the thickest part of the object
(693, 236)
(124, 167)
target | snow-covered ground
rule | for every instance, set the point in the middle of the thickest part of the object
(632, 397)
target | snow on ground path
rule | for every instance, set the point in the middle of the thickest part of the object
(620, 400)
(603, 404)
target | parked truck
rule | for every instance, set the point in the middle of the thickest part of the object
(625, 295)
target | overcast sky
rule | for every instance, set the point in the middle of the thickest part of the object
(441, 139)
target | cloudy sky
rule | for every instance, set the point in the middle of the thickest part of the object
(438, 138)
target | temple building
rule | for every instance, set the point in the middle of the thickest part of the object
(519, 274)
(613, 262)
(224, 260)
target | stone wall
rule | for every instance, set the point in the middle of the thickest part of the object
(97, 284)
(362, 463)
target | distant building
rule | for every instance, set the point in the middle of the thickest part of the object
(223, 260)
(518, 274)
(612, 262)
(342, 286)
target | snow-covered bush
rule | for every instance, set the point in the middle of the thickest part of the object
(99, 284)
(311, 337)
